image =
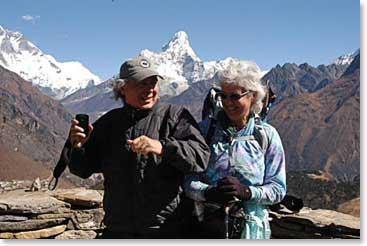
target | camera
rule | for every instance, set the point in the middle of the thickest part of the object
(83, 122)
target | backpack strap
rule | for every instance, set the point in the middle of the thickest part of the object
(261, 137)
(211, 130)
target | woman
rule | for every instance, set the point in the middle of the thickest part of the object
(239, 168)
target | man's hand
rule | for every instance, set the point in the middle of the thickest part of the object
(231, 186)
(144, 145)
(76, 134)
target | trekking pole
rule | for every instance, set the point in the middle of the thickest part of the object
(226, 220)
(227, 207)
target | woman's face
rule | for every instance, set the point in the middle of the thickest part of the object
(237, 103)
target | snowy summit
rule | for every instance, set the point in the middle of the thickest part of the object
(345, 59)
(56, 79)
(180, 66)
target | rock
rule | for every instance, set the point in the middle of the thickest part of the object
(79, 197)
(328, 217)
(36, 185)
(44, 233)
(319, 223)
(351, 207)
(6, 235)
(77, 234)
(20, 202)
(29, 224)
(12, 218)
(52, 216)
(88, 219)
(70, 225)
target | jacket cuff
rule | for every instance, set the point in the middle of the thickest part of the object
(167, 148)
(255, 194)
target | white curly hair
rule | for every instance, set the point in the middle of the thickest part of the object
(245, 74)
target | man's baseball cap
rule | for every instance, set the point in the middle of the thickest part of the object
(138, 69)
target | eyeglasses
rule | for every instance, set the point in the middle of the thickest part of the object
(234, 96)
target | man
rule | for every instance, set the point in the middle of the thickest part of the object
(143, 149)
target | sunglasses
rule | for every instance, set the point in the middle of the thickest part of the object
(234, 96)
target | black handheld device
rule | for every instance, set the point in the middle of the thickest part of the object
(83, 122)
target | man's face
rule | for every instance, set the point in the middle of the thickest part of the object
(143, 94)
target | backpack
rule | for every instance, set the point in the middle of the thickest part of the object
(213, 106)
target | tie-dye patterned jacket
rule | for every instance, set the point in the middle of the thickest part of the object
(234, 154)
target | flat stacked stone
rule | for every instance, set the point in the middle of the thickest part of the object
(77, 234)
(309, 223)
(30, 215)
(35, 234)
(79, 197)
(20, 202)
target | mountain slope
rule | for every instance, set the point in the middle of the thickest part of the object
(94, 100)
(32, 124)
(320, 130)
(55, 79)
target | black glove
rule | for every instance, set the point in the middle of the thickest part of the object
(231, 187)
(213, 194)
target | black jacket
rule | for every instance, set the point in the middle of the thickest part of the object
(142, 194)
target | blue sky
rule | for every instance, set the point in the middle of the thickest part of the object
(102, 33)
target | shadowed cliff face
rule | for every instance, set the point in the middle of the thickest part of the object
(33, 127)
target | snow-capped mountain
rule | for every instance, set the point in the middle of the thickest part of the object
(345, 59)
(56, 79)
(180, 66)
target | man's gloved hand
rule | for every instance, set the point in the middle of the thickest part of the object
(213, 194)
(230, 186)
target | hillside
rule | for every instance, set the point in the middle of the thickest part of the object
(321, 130)
(33, 129)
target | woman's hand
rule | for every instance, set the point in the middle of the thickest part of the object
(232, 187)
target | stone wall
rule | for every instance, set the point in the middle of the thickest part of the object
(77, 214)
(60, 214)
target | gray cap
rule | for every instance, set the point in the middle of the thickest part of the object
(138, 69)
